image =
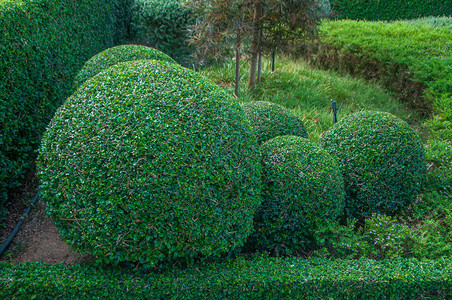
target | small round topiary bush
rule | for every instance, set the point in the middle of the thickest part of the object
(302, 188)
(114, 55)
(148, 161)
(381, 159)
(270, 120)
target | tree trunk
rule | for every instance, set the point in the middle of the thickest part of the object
(259, 65)
(259, 68)
(238, 45)
(237, 63)
(255, 45)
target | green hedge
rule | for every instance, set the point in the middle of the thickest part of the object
(43, 44)
(258, 277)
(163, 24)
(373, 10)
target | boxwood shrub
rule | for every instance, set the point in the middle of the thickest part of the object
(381, 159)
(148, 161)
(114, 55)
(302, 188)
(270, 120)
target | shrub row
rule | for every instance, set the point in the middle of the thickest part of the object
(43, 45)
(257, 277)
(412, 61)
(373, 10)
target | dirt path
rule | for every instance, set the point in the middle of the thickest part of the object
(38, 239)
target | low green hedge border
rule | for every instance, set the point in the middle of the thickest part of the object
(257, 277)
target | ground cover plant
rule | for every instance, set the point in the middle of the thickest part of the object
(442, 22)
(158, 155)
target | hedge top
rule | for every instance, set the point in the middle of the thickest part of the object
(148, 161)
(270, 120)
(381, 159)
(114, 55)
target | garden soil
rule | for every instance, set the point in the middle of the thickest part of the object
(38, 238)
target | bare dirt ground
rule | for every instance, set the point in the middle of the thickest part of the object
(38, 238)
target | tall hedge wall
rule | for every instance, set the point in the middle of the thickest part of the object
(373, 10)
(43, 44)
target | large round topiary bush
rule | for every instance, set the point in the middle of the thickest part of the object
(149, 162)
(114, 55)
(302, 189)
(270, 120)
(381, 159)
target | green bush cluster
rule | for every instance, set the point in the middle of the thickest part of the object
(149, 162)
(256, 277)
(114, 55)
(302, 188)
(381, 159)
(384, 10)
(163, 24)
(384, 237)
(43, 45)
(270, 120)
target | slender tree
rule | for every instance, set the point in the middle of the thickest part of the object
(281, 23)
(220, 24)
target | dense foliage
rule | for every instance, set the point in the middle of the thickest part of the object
(270, 120)
(381, 159)
(43, 45)
(373, 10)
(149, 161)
(114, 55)
(163, 24)
(302, 189)
(257, 277)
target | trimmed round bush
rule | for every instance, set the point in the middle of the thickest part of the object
(381, 159)
(270, 120)
(114, 55)
(302, 189)
(149, 162)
